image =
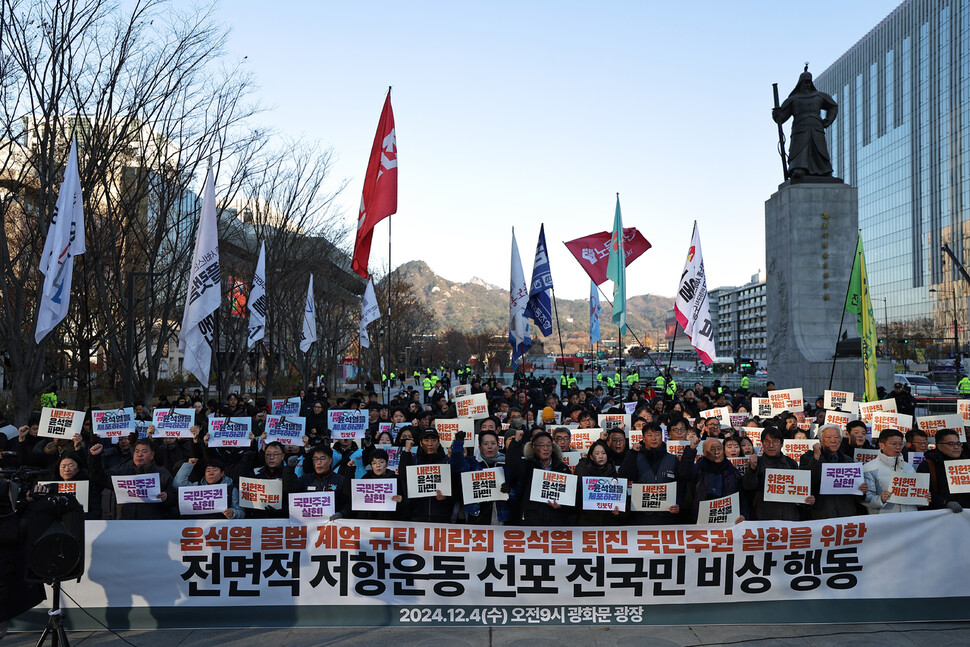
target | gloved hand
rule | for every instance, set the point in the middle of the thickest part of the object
(506, 488)
(954, 506)
(334, 517)
(459, 435)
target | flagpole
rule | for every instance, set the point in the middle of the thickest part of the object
(562, 349)
(848, 287)
(649, 356)
(385, 387)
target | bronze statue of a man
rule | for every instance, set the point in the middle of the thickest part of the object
(808, 154)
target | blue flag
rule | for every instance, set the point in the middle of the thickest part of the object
(539, 308)
(616, 269)
(594, 314)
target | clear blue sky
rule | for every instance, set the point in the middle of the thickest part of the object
(518, 113)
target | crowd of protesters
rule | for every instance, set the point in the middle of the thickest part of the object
(529, 428)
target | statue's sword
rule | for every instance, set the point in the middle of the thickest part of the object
(781, 136)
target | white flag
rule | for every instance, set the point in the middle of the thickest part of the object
(65, 240)
(692, 307)
(519, 336)
(309, 334)
(205, 289)
(368, 312)
(257, 300)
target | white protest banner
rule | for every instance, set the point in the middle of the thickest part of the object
(603, 493)
(78, 489)
(448, 428)
(891, 420)
(312, 505)
(553, 486)
(754, 435)
(386, 427)
(787, 486)
(677, 447)
(736, 420)
(867, 409)
(915, 459)
(112, 423)
(761, 407)
(483, 485)
(230, 432)
(808, 427)
(741, 463)
(393, 455)
(636, 435)
(910, 489)
(653, 497)
(257, 494)
(286, 407)
(932, 424)
(720, 413)
(472, 406)
(60, 423)
(460, 391)
(202, 499)
(794, 449)
(581, 439)
(137, 488)
(958, 476)
(346, 423)
(373, 495)
(630, 407)
(863, 455)
(428, 480)
(786, 400)
(571, 459)
(719, 512)
(837, 418)
(177, 580)
(837, 399)
(841, 478)
(285, 430)
(608, 420)
(173, 423)
(963, 409)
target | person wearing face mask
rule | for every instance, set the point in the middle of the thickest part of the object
(948, 448)
(488, 456)
(879, 474)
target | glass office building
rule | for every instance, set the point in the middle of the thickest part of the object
(902, 137)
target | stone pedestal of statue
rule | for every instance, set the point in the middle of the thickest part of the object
(811, 229)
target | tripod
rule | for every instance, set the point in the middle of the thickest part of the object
(55, 628)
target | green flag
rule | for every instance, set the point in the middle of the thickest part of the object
(616, 270)
(857, 301)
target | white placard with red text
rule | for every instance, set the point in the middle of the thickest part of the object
(257, 494)
(910, 489)
(552, 486)
(787, 486)
(428, 480)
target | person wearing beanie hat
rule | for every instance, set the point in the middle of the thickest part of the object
(215, 474)
(548, 416)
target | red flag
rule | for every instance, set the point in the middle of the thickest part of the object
(593, 251)
(379, 198)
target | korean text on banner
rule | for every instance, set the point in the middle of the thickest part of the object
(863, 455)
(137, 488)
(428, 480)
(483, 485)
(552, 486)
(447, 428)
(867, 409)
(910, 489)
(258, 494)
(373, 495)
(286, 430)
(287, 407)
(203, 499)
(958, 476)
(841, 478)
(837, 399)
(311, 505)
(78, 489)
(650, 497)
(60, 423)
(603, 493)
(790, 400)
(719, 512)
(787, 486)
(173, 423)
(472, 406)
(230, 432)
(112, 423)
(347, 423)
